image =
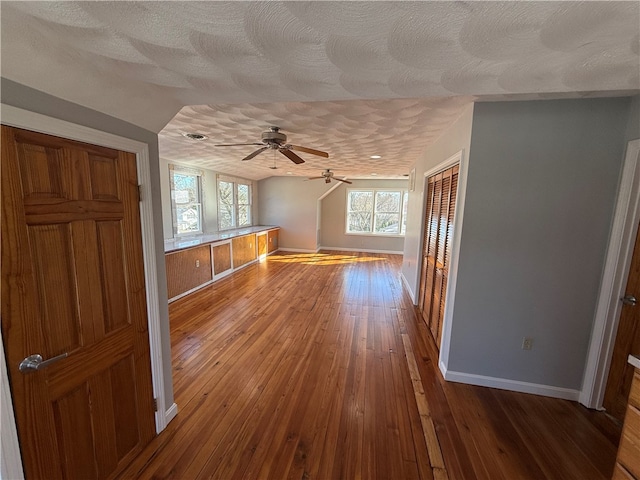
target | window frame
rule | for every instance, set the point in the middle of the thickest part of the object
(235, 205)
(180, 170)
(404, 198)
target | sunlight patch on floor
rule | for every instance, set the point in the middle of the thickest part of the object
(321, 259)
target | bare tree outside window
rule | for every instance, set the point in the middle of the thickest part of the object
(378, 212)
(225, 205)
(405, 202)
(387, 216)
(244, 205)
(359, 211)
(234, 204)
(186, 202)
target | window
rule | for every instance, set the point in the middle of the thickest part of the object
(186, 200)
(376, 212)
(234, 203)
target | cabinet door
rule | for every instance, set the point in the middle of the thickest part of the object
(273, 240)
(188, 269)
(221, 258)
(244, 250)
(262, 244)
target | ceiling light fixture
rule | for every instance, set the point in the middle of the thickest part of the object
(195, 136)
(374, 174)
(375, 156)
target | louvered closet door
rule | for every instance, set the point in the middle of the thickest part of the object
(440, 210)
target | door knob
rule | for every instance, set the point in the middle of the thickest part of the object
(35, 362)
(629, 300)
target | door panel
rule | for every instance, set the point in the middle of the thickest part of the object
(627, 342)
(425, 235)
(73, 282)
(440, 211)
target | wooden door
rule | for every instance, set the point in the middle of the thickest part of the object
(438, 230)
(627, 342)
(73, 283)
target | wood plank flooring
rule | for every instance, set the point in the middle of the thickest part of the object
(295, 368)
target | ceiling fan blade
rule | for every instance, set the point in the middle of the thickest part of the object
(237, 144)
(314, 178)
(290, 155)
(308, 150)
(340, 180)
(257, 152)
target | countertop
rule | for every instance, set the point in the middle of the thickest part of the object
(634, 360)
(180, 243)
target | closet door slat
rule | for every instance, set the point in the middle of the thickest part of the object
(438, 231)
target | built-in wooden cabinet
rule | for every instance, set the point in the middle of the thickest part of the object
(221, 258)
(272, 238)
(261, 240)
(191, 268)
(628, 461)
(188, 269)
(244, 250)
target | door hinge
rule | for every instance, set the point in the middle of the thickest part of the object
(155, 404)
(139, 193)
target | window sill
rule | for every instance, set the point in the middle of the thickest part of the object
(375, 235)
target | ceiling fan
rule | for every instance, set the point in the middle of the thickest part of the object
(275, 140)
(328, 175)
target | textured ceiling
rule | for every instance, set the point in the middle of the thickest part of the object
(350, 131)
(334, 75)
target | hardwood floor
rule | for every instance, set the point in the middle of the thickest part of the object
(295, 368)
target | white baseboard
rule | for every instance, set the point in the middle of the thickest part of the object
(170, 413)
(409, 289)
(296, 250)
(512, 385)
(362, 250)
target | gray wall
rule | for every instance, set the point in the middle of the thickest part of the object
(292, 203)
(333, 218)
(633, 125)
(27, 98)
(456, 138)
(542, 184)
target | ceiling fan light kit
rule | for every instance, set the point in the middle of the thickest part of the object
(328, 176)
(274, 139)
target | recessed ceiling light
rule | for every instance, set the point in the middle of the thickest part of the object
(374, 174)
(195, 136)
(375, 156)
(289, 173)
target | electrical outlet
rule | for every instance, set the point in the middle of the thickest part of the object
(527, 343)
(197, 263)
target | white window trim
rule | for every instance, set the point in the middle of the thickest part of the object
(402, 191)
(174, 220)
(236, 206)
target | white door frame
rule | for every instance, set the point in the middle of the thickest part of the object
(614, 280)
(15, 117)
(455, 159)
